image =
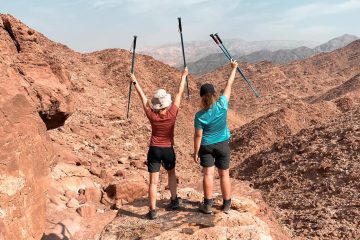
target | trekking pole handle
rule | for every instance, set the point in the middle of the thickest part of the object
(214, 38)
(180, 26)
(218, 38)
(134, 43)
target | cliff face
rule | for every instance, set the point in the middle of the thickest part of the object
(34, 97)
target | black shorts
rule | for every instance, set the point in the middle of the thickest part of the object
(217, 154)
(158, 156)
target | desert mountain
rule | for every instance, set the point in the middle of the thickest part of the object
(171, 53)
(281, 56)
(283, 85)
(336, 43)
(72, 166)
(71, 160)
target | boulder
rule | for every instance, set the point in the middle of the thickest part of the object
(87, 210)
(126, 191)
(72, 203)
(93, 195)
(62, 170)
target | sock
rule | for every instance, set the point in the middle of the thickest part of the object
(208, 201)
(227, 202)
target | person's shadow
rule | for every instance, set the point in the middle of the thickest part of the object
(53, 236)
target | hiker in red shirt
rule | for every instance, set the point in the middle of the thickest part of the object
(162, 112)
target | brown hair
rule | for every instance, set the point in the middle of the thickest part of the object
(207, 101)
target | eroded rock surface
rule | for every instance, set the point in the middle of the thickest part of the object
(28, 85)
(188, 222)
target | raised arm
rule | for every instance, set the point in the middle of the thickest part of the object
(197, 142)
(227, 90)
(181, 90)
(140, 92)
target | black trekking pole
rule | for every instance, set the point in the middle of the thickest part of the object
(183, 52)
(132, 71)
(218, 41)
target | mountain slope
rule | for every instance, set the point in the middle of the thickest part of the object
(350, 88)
(281, 56)
(311, 179)
(336, 43)
(282, 85)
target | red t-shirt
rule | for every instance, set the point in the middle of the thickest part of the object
(162, 134)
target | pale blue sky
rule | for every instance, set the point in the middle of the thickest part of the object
(88, 25)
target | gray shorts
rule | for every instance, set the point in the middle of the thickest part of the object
(217, 154)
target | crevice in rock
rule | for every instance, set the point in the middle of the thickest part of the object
(8, 28)
(53, 117)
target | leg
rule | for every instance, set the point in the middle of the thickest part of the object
(172, 183)
(154, 163)
(208, 182)
(225, 183)
(169, 163)
(154, 179)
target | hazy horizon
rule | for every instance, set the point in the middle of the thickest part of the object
(92, 25)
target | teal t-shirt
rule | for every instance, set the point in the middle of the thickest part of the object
(213, 122)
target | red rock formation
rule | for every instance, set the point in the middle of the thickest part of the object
(30, 84)
(42, 83)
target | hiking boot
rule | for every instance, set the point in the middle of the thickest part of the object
(152, 214)
(226, 206)
(174, 204)
(205, 208)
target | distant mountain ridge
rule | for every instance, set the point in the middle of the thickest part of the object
(196, 50)
(280, 56)
(336, 43)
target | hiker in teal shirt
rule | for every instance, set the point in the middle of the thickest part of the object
(211, 141)
(213, 122)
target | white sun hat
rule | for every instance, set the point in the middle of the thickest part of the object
(160, 100)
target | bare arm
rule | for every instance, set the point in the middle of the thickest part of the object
(181, 90)
(140, 92)
(227, 90)
(197, 142)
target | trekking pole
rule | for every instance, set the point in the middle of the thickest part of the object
(218, 41)
(183, 52)
(132, 71)
(228, 56)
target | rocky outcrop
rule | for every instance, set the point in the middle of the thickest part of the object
(243, 221)
(31, 82)
(25, 155)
